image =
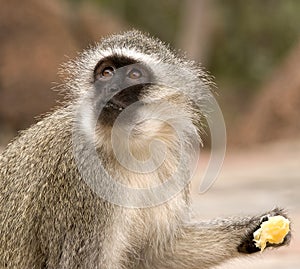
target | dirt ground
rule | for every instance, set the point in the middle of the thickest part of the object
(251, 182)
(254, 181)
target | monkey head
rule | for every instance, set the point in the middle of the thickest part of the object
(134, 69)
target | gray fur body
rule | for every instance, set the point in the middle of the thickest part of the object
(50, 218)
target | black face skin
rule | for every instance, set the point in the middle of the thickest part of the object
(123, 76)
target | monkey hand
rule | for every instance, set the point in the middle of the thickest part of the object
(272, 231)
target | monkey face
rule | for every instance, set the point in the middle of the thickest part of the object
(119, 82)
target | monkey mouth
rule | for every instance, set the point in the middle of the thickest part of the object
(123, 99)
(112, 110)
(115, 104)
(118, 103)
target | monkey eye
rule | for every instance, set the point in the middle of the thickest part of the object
(108, 72)
(105, 73)
(135, 74)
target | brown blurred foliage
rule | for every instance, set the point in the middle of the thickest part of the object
(34, 38)
(275, 113)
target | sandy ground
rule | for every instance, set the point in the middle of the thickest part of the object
(254, 181)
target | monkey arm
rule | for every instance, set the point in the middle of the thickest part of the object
(206, 244)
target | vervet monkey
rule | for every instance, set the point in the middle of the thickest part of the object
(64, 181)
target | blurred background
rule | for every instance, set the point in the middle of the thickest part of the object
(252, 48)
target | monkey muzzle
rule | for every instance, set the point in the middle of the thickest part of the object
(118, 88)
